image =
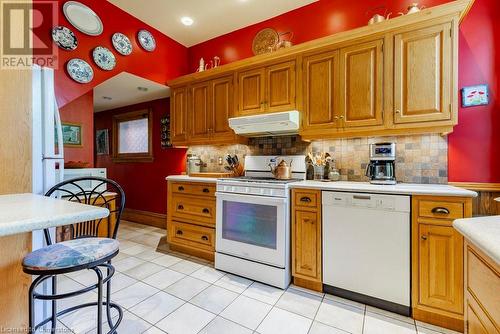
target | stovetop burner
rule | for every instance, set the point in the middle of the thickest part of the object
(261, 179)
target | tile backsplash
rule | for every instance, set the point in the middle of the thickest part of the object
(420, 158)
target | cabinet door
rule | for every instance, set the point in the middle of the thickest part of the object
(321, 88)
(361, 84)
(222, 105)
(200, 111)
(440, 267)
(251, 92)
(307, 240)
(423, 75)
(178, 115)
(280, 87)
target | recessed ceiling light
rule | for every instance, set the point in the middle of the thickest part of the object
(142, 89)
(187, 21)
(107, 98)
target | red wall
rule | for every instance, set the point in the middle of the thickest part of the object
(474, 153)
(81, 111)
(144, 183)
(168, 61)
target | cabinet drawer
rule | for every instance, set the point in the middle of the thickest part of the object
(441, 209)
(193, 209)
(306, 198)
(192, 235)
(202, 189)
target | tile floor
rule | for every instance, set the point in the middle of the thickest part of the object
(167, 292)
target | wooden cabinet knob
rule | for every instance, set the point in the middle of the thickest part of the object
(179, 232)
(204, 238)
(424, 237)
(180, 188)
(398, 111)
(180, 207)
(440, 211)
(205, 210)
(206, 190)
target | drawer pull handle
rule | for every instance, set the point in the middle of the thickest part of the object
(361, 197)
(307, 221)
(441, 211)
(424, 237)
(305, 199)
(205, 210)
(204, 238)
(180, 207)
(180, 188)
(179, 232)
(206, 190)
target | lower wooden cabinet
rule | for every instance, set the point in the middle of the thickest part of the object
(437, 260)
(306, 238)
(191, 218)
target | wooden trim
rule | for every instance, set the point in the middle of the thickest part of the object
(453, 8)
(145, 217)
(308, 284)
(133, 157)
(477, 186)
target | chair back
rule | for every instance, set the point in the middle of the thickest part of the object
(105, 193)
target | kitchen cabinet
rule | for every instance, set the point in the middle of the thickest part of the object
(482, 284)
(199, 105)
(222, 108)
(267, 89)
(306, 238)
(423, 74)
(437, 260)
(178, 115)
(191, 218)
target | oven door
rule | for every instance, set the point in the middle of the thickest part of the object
(252, 227)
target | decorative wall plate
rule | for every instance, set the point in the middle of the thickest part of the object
(146, 40)
(83, 18)
(79, 70)
(104, 58)
(64, 38)
(265, 41)
(121, 43)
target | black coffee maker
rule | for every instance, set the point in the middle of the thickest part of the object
(382, 166)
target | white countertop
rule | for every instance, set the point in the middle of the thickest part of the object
(21, 213)
(187, 178)
(483, 232)
(400, 188)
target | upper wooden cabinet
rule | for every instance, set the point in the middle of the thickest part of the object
(199, 105)
(222, 106)
(267, 89)
(178, 115)
(361, 84)
(423, 74)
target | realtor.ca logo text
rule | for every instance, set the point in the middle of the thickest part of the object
(25, 34)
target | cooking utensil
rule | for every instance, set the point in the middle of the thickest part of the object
(282, 171)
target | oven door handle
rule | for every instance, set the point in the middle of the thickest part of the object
(264, 200)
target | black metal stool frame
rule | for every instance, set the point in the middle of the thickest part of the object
(83, 230)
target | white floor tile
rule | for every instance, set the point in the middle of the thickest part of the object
(208, 274)
(299, 288)
(396, 316)
(133, 295)
(187, 319)
(319, 328)
(154, 330)
(426, 328)
(342, 316)
(186, 267)
(120, 256)
(265, 293)
(214, 299)
(167, 260)
(379, 324)
(131, 324)
(163, 278)
(127, 263)
(300, 302)
(143, 271)
(126, 244)
(223, 326)
(187, 288)
(234, 283)
(246, 311)
(281, 321)
(157, 307)
(85, 277)
(134, 250)
(83, 320)
(148, 255)
(120, 281)
(344, 300)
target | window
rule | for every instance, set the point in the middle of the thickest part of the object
(132, 137)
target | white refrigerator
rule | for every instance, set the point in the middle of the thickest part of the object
(48, 154)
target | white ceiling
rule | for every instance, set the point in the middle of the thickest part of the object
(122, 88)
(211, 18)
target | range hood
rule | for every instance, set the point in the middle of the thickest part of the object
(275, 124)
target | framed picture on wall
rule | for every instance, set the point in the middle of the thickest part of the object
(102, 141)
(475, 96)
(72, 134)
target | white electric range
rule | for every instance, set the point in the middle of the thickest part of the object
(253, 221)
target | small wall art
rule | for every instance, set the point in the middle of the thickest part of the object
(102, 142)
(72, 134)
(475, 95)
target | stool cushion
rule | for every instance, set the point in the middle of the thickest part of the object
(65, 255)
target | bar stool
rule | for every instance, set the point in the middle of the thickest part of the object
(86, 249)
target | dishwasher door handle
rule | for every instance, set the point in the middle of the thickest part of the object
(365, 197)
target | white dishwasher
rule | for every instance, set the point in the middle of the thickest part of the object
(366, 248)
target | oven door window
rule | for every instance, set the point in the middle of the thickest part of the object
(253, 224)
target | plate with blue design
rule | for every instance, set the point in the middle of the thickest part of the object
(104, 58)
